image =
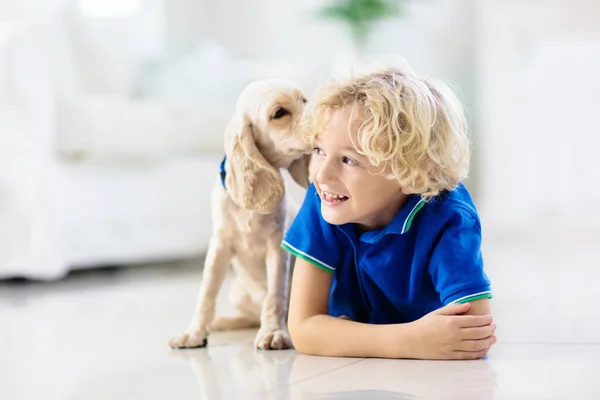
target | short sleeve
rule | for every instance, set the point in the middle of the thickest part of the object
(456, 263)
(310, 237)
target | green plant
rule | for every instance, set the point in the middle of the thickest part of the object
(361, 15)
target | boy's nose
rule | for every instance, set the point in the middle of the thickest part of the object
(325, 173)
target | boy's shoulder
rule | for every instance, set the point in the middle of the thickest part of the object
(456, 205)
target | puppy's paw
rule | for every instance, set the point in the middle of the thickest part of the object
(189, 340)
(273, 339)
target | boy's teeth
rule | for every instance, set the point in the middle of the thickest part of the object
(331, 196)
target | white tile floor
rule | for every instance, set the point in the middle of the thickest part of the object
(103, 335)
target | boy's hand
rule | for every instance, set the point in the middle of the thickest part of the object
(446, 334)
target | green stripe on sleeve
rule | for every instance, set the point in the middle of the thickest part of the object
(477, 297)
(307, 259)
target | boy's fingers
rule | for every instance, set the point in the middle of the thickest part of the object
(477, 345)
(480, 332)
(453, 309)
(470, 321)
(469, 355)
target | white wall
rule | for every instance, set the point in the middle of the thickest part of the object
(109, 50)
(186, 21)
(539, 91)
(18, 10)
(435, 36)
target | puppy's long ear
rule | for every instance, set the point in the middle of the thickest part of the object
(299, 170)
(250, 180)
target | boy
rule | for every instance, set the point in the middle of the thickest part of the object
(388, 239)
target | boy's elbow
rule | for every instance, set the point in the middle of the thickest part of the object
(301, 338)
(294, 328)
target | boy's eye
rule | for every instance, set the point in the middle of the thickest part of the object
(318, 151)
(349, 161)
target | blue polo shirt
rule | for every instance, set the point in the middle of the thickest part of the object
(428, 256)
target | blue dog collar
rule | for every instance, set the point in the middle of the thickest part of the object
(222, 171)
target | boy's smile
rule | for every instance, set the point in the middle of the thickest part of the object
(333, 199)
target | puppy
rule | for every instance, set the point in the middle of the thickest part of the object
(249, 217)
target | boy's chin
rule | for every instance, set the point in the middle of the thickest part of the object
(333, 219)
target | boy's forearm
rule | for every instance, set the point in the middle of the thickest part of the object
(324, 335)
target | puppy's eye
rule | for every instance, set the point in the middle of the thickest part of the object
(280, 113)
(304, 100)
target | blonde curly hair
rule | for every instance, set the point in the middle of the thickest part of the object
(412, 127)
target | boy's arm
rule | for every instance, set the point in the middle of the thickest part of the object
(439, 335)
(480, 307)
(315, 332)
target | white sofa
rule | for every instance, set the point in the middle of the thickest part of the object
(94, 177)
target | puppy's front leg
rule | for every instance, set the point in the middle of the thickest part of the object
(272, 333)
(216, 265)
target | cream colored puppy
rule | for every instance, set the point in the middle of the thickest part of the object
(249, 217)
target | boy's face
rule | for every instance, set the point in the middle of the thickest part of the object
(350, 188)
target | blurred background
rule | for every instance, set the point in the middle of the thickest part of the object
(112, 115)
